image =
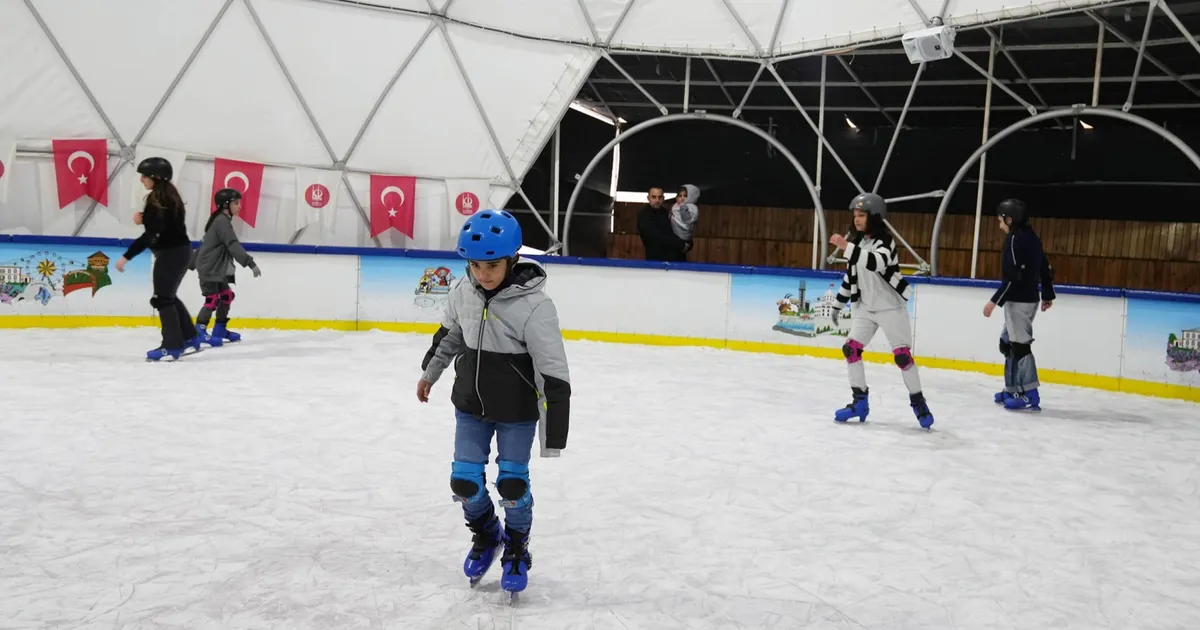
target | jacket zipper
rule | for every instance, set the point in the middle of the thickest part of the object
(479, 359)
(531, 385)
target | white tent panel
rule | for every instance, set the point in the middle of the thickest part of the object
(760, 17)
(555, 19)
(340, 57)
(128, 58)
(968, 12)
(39, 99)
(815, 25)
(428, 126)
(605, 14)
(235, 102)
(702, 26)
(525, 94)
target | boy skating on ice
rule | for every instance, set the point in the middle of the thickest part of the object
(873, 282)
(501, 332)
(1024, 266)
(213, 263)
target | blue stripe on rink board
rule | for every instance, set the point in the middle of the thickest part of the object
(280, 248)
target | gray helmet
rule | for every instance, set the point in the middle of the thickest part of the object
(871, 203)
(1014, 209)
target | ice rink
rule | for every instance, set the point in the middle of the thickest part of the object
(293, 481)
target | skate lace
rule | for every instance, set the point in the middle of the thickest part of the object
(513, 552)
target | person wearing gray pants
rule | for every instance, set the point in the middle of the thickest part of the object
(880, 294)
(1024, 265)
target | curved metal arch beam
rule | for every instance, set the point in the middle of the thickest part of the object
(1032, 120)
(662, 120)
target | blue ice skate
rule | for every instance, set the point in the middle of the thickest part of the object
(921, 409)
(220, 332)
(159, 354)
(212, 340)
(1028, 401)
(1002, 397)
(516, 562)
(194, 342)
(859, 408)
(483, 548)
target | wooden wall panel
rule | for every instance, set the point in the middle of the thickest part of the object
(1129, 254)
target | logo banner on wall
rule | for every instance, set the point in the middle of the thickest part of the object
(465, 197)
(393, 204)
(8, 156)
(316, 197)
(244, 177)
(81, 170)
(176, 158)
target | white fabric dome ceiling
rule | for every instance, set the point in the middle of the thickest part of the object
(380, 87)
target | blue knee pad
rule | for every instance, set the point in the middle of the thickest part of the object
(467, 481)
(513, 485)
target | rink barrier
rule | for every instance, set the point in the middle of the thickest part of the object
(985, 361)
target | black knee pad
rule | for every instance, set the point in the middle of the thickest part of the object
(512, 488)
(851, 350)
(162, 302)
(1021, 350)
(464, 488)
(1005, 348)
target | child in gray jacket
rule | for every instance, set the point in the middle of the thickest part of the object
(213, 262)
(684, 213)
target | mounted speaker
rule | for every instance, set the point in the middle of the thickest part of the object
(929, 44)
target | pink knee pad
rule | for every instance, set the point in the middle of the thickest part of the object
(226, 296)
(853, 351)
(210, 301)
(903, 357)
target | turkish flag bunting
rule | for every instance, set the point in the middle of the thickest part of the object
(244, 177)
(81, 168)
(393, 204)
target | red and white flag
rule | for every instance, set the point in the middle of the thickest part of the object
(81, 168)
(316, 197)
(176, 158)
(8, 156)
(393, 204)
(466, 197)
(244, 177)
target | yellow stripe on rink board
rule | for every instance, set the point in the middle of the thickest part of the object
(1108, 383)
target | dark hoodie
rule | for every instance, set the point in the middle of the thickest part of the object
(658, 238)
(1024, 264)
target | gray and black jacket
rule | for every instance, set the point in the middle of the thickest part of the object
(220, 247)
(507, 349)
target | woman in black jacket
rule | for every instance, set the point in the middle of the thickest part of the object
(166, 236)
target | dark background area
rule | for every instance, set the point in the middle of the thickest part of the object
(1115, 170)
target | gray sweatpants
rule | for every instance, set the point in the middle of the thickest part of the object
(898, 331)
(1020, 369)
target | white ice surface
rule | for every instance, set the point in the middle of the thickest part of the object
(293, 481)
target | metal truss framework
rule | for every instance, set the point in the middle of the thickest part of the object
(769, 64)
(662, 120)
(765, 60)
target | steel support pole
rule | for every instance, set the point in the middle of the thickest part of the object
(993, 80)
(720, 84)
(932, 193)
(1137, 65)
(87, 216)
(862, 86)
(1099, 59)
(987, 121)
(687, 82)
(813, 125)
(661, 120)
(1033, 120)
(1166, 9)
(554, 180)
(737, 111)
(359, 207)
(900, 126)
(816, 247)
(783, 7)
(617, 25)
(629, 77)
(1112, 30)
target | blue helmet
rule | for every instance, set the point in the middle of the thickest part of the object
(490, 235)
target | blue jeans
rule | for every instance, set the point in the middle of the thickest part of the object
(514, 443)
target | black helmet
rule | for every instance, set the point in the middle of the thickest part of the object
(1014, 209)
(870, 203)
(156, 168)
(226, 196)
